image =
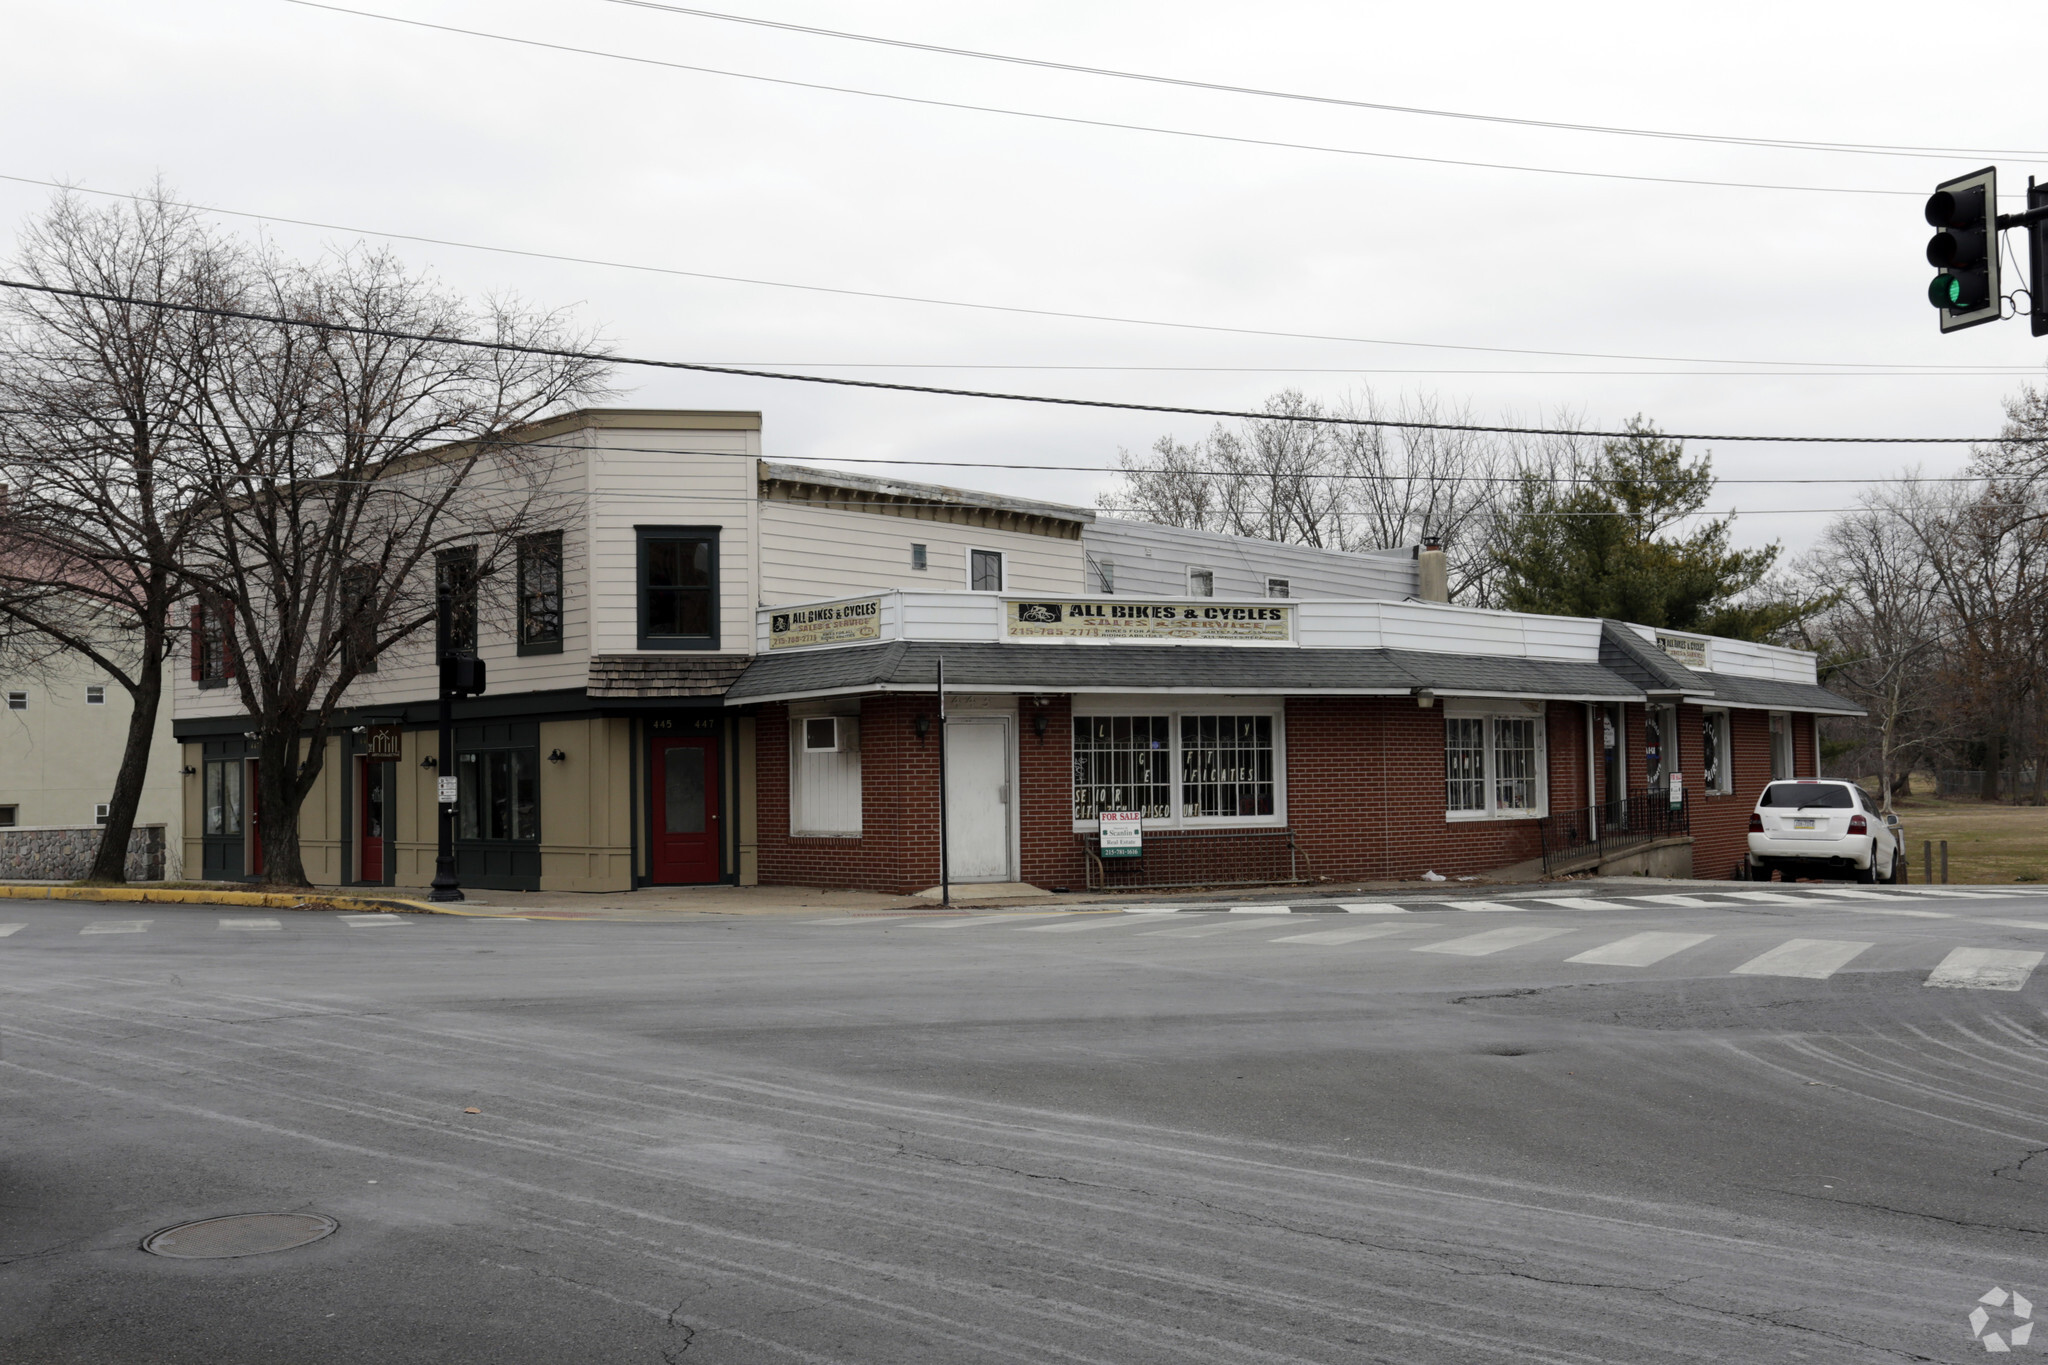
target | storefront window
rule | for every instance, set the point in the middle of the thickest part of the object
(1714, 775)
(1175, 768)
(1123, 763)
(1464, 763)
(1494, 765)
(1226, 765)
(497, 794)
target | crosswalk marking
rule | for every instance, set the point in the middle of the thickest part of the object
(1373, 908)
(1849, 893)
(117, 926)
(1206, 928)
(967, 920)
(1069, 927)
(1261, 909)
(250, 924)
(2034, 924)
(1480, 906)
(1341, 935)
(371, 921)
(1687, 902)
(1154, 909)
(6, 929)
(1492, 941)
(1814, 958)
(1639, 950)
(1984, 969)
(1902, 914)
(1582, 903)
(850, 919)
(1956, 893)
(1769, 897)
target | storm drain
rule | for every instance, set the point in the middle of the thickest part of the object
(239, 1234)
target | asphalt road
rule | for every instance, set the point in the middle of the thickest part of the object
(1519, 1133)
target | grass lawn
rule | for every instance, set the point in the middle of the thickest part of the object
(1986, 843)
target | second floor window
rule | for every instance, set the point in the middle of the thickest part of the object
(678, 589)
(359, 619)
(212, 661)
(455, 584)
(540, 593)
(985, 570)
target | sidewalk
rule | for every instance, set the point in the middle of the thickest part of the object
(668, 903)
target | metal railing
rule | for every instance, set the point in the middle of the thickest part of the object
(1200, 857)
(1568, 836)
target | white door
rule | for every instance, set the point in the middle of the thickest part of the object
(978, 799)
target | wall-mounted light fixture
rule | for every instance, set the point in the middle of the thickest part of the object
(1039, 721)
(923, 725)
(1424, 698)
(557, 756)
(428, 762)
(189, 771)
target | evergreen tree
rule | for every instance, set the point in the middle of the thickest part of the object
(1607, 546)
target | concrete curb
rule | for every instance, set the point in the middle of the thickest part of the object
(269, 900)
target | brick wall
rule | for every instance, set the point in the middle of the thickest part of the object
(898, 848)
(1365, 793)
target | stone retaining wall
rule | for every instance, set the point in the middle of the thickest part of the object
(56, 853)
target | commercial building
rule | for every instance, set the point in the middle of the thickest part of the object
(723, 668)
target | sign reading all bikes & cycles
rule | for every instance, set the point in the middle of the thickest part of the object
(1137, 621)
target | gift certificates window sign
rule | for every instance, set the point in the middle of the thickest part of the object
(1123, 834)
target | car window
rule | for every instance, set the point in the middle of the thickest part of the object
(1826, 795)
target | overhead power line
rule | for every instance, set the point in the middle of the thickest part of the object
(1724, 139)
(1077, 121)
(837, 381)
(1781, 366)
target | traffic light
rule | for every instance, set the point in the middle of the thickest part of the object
(462, 676)
(1964, 214)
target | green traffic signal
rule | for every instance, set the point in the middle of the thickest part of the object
(1945, 292)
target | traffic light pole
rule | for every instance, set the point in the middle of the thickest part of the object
(445, 886)
(2035, 221)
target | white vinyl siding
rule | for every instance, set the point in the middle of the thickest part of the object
(811, 554)
(824, 787)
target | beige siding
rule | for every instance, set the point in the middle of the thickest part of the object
(586, 806)
(671, 478)
(816, 552)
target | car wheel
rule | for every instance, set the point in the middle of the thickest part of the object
(1868, 872)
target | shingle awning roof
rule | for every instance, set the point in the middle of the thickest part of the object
(901, 665)
(664, 675)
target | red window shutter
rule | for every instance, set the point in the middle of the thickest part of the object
(198, 643)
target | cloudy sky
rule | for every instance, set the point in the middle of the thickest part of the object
(1508, 287)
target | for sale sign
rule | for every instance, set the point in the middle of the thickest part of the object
(1123, 834)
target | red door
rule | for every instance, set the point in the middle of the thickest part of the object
(370, 866)
(685, 810)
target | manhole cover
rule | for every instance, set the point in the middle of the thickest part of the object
(239, 1234)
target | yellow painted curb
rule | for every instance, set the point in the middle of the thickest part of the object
(269, 900)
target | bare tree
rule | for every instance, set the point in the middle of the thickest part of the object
(95, 400)
(1881, 636)
(347, 467)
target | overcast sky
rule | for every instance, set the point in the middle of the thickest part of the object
(272, 108)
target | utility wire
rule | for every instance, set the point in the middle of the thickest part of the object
(1791, 367)
(1788, 144)
(1076, 121)
(563, 353)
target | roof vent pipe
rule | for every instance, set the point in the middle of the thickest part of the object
(1432, 571)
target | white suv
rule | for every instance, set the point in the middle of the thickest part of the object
(1814, 827)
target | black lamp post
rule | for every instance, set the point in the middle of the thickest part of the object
(462, 675)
